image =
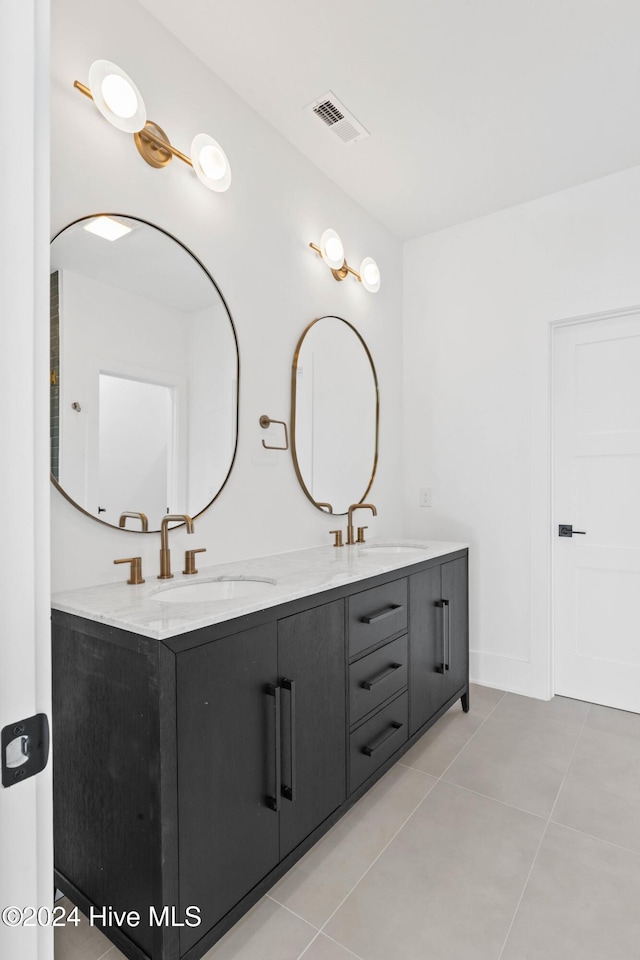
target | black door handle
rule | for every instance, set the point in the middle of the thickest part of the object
(566, 530)
(290, 791)
(273, 803)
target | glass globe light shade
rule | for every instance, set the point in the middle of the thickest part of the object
(210, 163)
(332, 249)
(116, 96)
(370, 275)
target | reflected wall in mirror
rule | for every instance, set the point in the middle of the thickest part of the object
(144, 375)
(334, 415)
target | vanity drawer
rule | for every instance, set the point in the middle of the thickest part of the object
(378, 739)
(376, 677)
(377, 614)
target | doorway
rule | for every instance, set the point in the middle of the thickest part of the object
(136, 429)
(596, 509)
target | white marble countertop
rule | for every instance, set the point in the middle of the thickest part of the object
(281, 577)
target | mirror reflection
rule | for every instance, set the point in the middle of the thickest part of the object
(144, 375)
(334, 415)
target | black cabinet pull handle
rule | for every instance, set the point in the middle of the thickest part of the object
(370, 684)
(382, 739)
(274, 802)
(447, 632)
(446, 636)
(374, 617)
(289, 792)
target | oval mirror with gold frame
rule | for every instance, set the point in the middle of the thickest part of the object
(144, 374)
(335, 412)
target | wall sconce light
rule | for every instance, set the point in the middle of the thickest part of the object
(331, 250)
(120, 102)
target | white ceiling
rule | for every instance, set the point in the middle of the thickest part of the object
(472, 105)
(146, 262)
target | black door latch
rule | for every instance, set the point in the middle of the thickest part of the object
(566, 530)
(25, 748)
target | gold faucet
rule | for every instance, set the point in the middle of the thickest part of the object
(165, 553)
(352, 509)
(142, 517)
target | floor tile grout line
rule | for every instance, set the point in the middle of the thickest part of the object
(342, 946)
(375, 860)
(542, 838)
(568, 767)
(285, 907)
(592, 836)
(465, 745)
(107, 952)
(401, 827)
(486, 796)
(312, 941)
(523, 891)
(356, 956)
(391, 839)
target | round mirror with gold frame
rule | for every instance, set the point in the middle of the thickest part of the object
(335, 411)
(144, 374)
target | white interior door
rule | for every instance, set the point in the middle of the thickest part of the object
(597, 490)
(135, 448)
(26, 833)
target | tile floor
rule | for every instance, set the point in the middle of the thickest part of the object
(508, 833)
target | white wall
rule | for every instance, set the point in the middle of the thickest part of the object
(254, 240)
(479, 299)
(212, 402)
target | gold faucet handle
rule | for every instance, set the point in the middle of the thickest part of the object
(135, 575)
(338, 535)
(189, 560)
(361, 531)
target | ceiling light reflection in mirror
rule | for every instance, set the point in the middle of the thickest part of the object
(334, 415)
(144, 373)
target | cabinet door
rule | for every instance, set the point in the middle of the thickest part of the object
(228, 835)
(455, 590)
(312, 676)
(426, 647)
(438, 638)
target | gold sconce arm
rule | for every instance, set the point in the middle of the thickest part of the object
(151, 141)
(331, 251)
(119, 101)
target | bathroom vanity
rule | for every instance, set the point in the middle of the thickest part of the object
(202, 746)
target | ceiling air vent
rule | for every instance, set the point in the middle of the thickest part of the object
(338, 119)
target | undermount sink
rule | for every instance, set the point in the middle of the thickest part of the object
(397, 549)
(222, 588)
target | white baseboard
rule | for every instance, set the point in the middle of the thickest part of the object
(503, 673)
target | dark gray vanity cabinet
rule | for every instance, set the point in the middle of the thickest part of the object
(438, 627)
(195, 771)
(261, 753)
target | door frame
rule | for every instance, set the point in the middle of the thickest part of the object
(554, 326)
(26, 828)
